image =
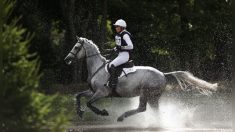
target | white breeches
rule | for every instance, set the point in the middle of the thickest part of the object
(122, 58)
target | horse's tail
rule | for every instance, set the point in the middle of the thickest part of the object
(186, 79)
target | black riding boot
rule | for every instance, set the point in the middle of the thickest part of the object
(113, 78)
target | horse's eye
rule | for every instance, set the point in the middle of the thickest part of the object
(76, 47)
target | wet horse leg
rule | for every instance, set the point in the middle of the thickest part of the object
(141, 108)
(87, 93)
(98, 95)
(153, 100)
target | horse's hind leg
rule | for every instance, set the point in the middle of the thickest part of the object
(98, 95)
(87, 93)
(141, 108)
(153, 100)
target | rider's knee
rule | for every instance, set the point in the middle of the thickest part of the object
(112, 66)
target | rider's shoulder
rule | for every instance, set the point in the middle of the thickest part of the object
(126, 33)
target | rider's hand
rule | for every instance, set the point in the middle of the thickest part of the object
(118, 48)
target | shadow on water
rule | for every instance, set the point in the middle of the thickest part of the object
(178, 112)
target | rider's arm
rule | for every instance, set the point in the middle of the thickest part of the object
(129, 43)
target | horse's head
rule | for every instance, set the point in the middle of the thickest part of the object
(77, 52)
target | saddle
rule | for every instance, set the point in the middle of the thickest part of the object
(120, 68)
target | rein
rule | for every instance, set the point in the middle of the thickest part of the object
(97, 70)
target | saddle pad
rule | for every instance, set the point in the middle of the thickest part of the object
(126, 70)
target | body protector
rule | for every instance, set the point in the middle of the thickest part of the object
(124, 41)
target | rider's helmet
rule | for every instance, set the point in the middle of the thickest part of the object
(120, 23)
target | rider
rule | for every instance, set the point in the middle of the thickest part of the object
(124, 46)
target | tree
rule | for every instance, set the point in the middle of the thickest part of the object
(23, 108)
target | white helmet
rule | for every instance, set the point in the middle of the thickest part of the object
(120, 23)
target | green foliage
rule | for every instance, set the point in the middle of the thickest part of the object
(23, 108)
(49, 112)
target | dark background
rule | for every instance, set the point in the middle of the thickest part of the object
(193, 35)
(36, 35)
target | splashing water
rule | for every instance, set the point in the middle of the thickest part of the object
(177, 112)
(170, 115)
(176, 115)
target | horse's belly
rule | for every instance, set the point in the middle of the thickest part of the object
(128, 89)
(127, 92)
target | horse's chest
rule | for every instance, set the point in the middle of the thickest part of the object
(98, 82)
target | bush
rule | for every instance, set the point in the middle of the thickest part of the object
(23, 108)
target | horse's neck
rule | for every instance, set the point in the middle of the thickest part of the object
(94, 63)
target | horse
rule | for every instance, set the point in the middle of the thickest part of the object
(146, 82)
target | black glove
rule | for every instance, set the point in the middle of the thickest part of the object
(118, 47)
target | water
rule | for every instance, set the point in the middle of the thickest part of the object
(178, 112)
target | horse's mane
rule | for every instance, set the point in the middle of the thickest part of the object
(95, 46)
(90, 42)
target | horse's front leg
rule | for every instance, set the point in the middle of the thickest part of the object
(87, 93)
(98, 95)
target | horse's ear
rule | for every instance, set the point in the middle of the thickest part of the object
(77, 38)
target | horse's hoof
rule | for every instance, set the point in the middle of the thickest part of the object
(120, 119)
(80, 113)
(104, 112)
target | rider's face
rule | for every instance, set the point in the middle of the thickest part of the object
(118, 29)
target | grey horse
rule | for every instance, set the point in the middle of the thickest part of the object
(146, 82)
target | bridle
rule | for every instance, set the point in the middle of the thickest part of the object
(82, 46)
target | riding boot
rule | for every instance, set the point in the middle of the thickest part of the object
(113, 78)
